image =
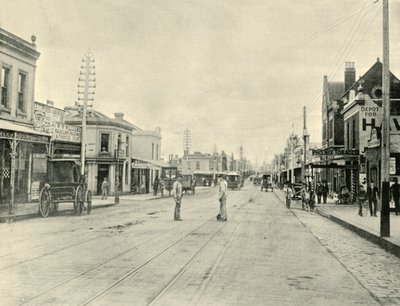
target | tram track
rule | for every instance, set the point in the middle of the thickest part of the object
(134, 271)
(104, 262)
(214, 267)
(93, 234)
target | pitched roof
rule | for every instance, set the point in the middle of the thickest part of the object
(95, 117)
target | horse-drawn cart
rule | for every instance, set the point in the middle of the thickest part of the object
(65, 184)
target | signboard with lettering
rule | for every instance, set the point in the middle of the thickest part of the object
(66, 132)
(50, 119)
(47, 114)
(335, 152)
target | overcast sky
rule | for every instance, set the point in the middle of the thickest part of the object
(233, 72)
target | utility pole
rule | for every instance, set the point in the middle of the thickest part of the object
(305, 135)
(385, 165)
(187, 144)
(86, 85)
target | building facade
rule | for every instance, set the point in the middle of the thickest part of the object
(363, 115)
(108, 149)
(146, 163)
(21, 147)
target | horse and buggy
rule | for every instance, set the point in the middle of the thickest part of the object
(64, 184)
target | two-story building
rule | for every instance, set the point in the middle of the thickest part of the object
(20, 144)
(362, 125)
(146, 159)
(332, 160)
(108, 148)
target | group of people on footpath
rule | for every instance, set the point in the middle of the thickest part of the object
(371, 193)
(177, 192)
(307, 194)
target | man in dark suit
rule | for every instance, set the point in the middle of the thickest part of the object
(373, 196)
(395, 195)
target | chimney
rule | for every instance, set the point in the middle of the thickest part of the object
(349, 75)
(119, 116)
(49, 102)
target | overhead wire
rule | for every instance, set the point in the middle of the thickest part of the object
(332, 71)
(334, 66)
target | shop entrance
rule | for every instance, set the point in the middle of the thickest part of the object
(5, 171)
(102, 172)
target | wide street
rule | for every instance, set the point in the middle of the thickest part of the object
(135, 254)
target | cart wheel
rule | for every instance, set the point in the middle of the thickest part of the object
(79, 200)
(44, 202)
(88, 198)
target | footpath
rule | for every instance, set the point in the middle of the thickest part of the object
(367, 226)
(24, 211)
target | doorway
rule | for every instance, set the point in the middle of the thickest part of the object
(102, 172)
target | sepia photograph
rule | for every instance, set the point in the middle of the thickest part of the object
(199, 152)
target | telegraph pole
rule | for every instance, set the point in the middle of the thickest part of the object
(385, 165)
(305, 135)
(86, 87)
(187, 144)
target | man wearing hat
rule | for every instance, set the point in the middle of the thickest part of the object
(177, 193)
(223, 188)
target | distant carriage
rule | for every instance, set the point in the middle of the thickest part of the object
(188, 184)
(234, 180)
(168, 174)
(64, 184)
(266, 182)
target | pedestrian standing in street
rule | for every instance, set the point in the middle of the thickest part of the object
(155, 186)
(373, 196)
(318, 190)
(162, 186)
(325, 191)
(362, 196)
(395, 195)
(177, 194)
(104, 189)
(222, 195)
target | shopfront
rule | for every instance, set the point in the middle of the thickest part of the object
(23, 163)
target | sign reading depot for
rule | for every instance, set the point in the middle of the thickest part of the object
(335, 152)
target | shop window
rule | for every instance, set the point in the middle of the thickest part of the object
(5, 85)
(105, 143)
(21, 91)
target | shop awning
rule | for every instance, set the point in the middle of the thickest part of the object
(23, 133)
(140, 163)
